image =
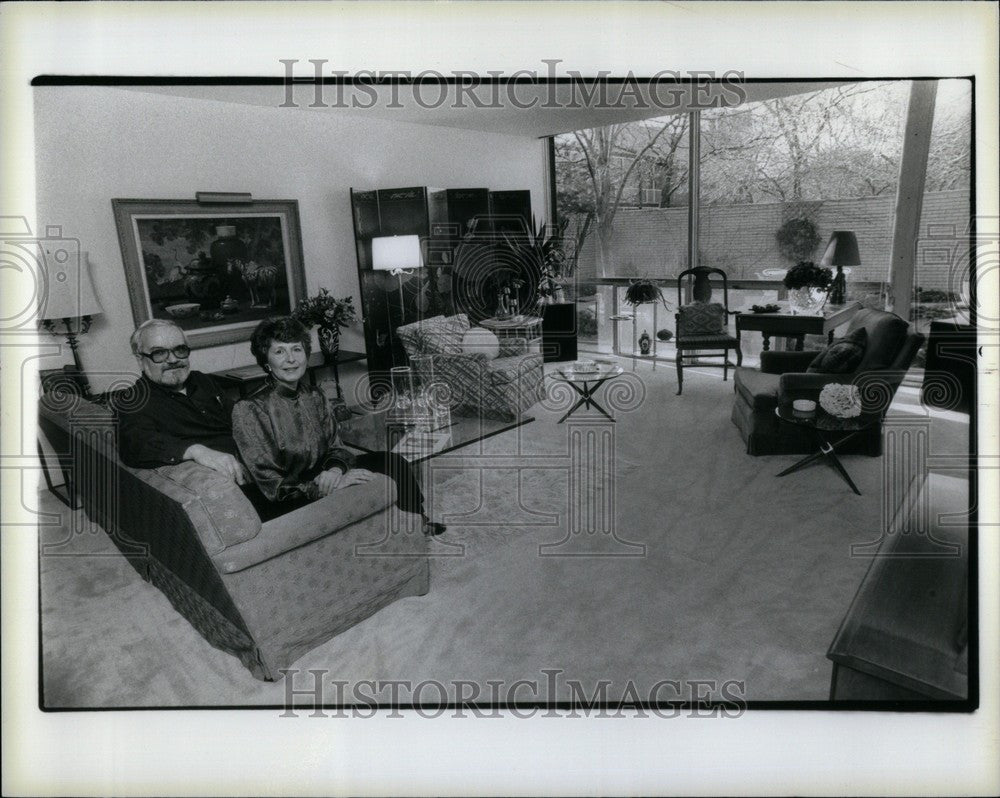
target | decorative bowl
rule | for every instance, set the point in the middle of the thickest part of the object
(770, 308)
(183, 311)
(584, 366)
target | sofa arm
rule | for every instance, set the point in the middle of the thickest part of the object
(783, 362)
(225, 515)
(509, 347)
(311, 522)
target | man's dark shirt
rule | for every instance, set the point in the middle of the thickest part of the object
(158, 425)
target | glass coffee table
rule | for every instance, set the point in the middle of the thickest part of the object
(375, 432)
(830, 432)
(587, 384)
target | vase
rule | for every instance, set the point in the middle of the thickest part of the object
(329, 343)
(226, 247)
(644, 343)
(805, 301)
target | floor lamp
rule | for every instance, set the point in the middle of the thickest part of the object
(69, 305)
(397, 255)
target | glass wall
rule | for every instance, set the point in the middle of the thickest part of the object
(777, 177)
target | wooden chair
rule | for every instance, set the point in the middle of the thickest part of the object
(703, 326)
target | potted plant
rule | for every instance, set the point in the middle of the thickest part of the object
(328, 314)
(541, 249)
(807, 286)
(643, 291)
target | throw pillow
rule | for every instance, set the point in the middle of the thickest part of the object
(481, 341)
(443, 336)
(842, 356)
(702, 318)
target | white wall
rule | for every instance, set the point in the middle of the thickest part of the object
(98, 143)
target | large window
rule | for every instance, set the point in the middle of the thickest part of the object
(776, 177)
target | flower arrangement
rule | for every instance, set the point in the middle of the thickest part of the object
(327, 313)
(806, 274)
(842, 401)
(541, 249)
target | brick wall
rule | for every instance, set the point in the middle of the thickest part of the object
(741, 238)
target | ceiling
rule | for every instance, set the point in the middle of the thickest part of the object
(517, 109)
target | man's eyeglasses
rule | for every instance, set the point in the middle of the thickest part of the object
(160, 355)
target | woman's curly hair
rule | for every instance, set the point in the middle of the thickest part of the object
(281, 328)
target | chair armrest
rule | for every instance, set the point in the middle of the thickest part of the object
(313, 521)
(783, 362)
(513, 346)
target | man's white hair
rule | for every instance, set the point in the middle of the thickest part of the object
(152, 324)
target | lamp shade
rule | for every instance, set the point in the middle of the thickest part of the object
(69, 290)
(395, 253)
(843, 249)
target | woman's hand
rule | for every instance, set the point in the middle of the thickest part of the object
(328, 481)
(335, 479)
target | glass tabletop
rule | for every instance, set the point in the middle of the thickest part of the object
(373, 432)
(821, 420)
(601, 371)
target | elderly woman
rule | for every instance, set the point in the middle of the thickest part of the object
(288, 439)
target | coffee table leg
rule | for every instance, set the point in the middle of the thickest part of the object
(586, 397)
(827, 451)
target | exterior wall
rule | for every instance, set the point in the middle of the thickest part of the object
(741, 238)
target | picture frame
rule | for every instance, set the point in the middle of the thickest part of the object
(215, 271)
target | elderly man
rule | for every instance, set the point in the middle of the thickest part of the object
(179, 414)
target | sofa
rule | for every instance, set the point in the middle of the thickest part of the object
(783, 377)
(502, 387)
(266, 593)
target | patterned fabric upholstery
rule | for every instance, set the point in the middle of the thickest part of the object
(167, 523)
(501, 388)
(700, 318)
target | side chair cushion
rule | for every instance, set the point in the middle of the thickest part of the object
(843, 355)
(701, 318)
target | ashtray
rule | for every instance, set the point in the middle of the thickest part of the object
(803, 407)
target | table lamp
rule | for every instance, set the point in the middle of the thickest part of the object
(69, 303)
(840, 252)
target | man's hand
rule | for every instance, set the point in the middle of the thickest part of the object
(335, 479)
(217, 461)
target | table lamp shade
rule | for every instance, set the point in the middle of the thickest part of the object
(69, 290)
(396, 253)
(843, 249)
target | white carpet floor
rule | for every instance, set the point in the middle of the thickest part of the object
(686, 560)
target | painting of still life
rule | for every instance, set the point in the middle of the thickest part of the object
(215, 270)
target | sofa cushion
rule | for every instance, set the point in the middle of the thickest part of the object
(757, 389)
(701, 318)
(886, 334)
(479, 340)
(311, 522)
(843, 355)
(409, 335)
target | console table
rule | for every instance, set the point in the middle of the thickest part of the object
(789, 325)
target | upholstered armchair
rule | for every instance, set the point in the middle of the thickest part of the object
(890, 346)
(503, 386)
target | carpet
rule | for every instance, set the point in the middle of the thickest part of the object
(686, 560)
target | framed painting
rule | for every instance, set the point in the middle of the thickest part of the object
(216, 270)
